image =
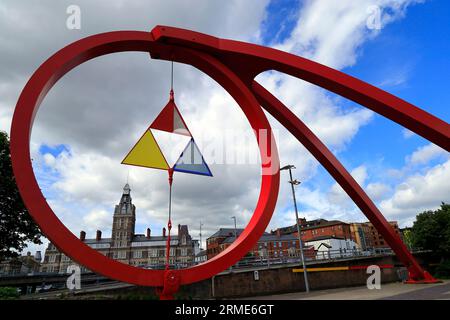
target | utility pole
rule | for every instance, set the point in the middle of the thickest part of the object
(300, 242)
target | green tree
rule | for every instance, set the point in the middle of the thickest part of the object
(407, 238)
(431, 231)
(16, 225)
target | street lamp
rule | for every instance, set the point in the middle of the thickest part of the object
(200, 234)
(295, 183)
(235, 237)
(235, 232)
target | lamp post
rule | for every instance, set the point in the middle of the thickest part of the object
(235, 232)
(296, 182)
(200, 234)
(235, 237)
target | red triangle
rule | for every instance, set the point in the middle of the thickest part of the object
(164, 121)
(170, 119)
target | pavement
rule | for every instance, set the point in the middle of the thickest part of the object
(388, 291)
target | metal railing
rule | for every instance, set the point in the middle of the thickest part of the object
(266, 258)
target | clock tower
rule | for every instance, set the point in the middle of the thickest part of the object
(124, 220)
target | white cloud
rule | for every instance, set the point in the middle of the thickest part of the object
(407, 133)
(337, 195)
(419, 192)
(425, 154)
(331, 32)
(377, 191)
(98, 219)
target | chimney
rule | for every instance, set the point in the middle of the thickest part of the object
(302, 221)
(98, 236)
(164, 232)
(148, 233)
(278, 233)
(82, 235)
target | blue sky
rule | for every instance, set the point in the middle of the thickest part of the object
(408, 58)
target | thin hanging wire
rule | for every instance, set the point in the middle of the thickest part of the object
(171, 78)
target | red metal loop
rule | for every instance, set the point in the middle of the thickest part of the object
(91, 47)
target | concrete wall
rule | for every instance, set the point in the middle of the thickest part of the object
(281, 280)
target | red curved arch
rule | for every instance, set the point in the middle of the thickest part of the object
(91, 47)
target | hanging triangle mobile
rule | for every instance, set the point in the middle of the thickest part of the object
(147, 153)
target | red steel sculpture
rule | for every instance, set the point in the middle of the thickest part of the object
(234, 65)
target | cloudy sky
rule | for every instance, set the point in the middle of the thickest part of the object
(95, 114)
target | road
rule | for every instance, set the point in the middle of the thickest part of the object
(389, 291)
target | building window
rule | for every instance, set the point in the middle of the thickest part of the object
(184, 251)
(137, 254)
(52, 258)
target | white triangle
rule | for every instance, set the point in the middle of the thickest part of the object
(171, 145)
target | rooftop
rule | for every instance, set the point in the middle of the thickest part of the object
(266, 237)
(325, 238)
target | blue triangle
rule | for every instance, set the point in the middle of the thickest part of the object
(191, 161)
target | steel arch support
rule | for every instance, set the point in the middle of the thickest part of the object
(248, 60)
(326, 158)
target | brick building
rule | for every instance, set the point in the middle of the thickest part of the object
(313, 229)
(361, 235)
(142, 250)
(377, 239)
(213, 242)
(269, 245)
(367, 237)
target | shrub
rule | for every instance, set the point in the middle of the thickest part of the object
(443, 270)
(8, 293)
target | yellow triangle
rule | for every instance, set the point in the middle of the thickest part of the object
(146, 153)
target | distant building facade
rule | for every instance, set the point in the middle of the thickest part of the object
(213, 242)
(140, 250)
(367, 236)
(269, 245)
(377, 239)
(21, 265)
(318, 228)
(361, 234)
